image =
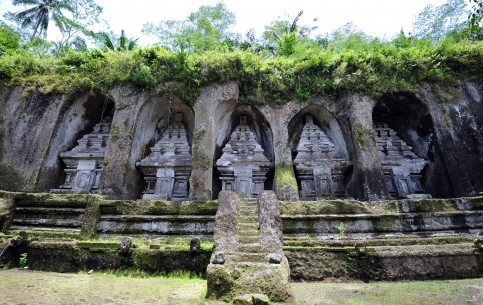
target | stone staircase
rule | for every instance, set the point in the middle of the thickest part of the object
(248, 248)
(248, 256)
(49, 216)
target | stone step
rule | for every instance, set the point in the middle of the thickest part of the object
(248, 226)
(250, 248)
(248, 239)
(47, 222)
(49, 210)
(247, 257)
(257, 265)
(247, 218)
(248, 210)
(248, 235)
(247, 231)
(250, 202)
(47, 229)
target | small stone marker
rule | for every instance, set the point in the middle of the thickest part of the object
(274, 258)
(360, 249)
(219, 258)
(479, 244)
(126, 243)
(195, 245)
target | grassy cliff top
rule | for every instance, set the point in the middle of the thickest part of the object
(373, 68)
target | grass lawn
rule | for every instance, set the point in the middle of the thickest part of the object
(33, 287)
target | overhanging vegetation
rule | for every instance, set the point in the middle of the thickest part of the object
(368, 67)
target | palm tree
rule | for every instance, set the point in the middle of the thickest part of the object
(40, 14)
(283, 35)
(277, 29)
(123, 43)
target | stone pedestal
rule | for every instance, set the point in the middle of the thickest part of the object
(243, 166)
(320, 169)
(400, 165)
(168, 166)
(85, 161)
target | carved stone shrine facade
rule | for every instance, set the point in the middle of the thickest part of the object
(167, 168)
(243, 166)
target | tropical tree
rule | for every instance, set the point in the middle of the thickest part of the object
(205, 29)
(9, 38)
(40, 13)
(434, 22)
(114, 43)
(475, 18)
(278, 28)
(286, 33)
(75, 32)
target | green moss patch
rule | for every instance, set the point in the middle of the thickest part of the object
(285, 177)
(146, 207)
(323, 207)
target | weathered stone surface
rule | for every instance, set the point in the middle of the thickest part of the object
(320, 168)
(119, 170)
(26, 129)
(218, 258)
(275, 258)
(211, 109)
(243, 166)
(195, 244)
(78, 117)
(85, 161)
(126, 243)
(260, 299)
(441, 123)
(245, 299)
(6, 211)
(271, 236)
(370, 183)
(457, 116)
(247, 268)
(226, 221)
(228, 280)
(167, 169)
(251, 299)
(391, 218)
(400, 165)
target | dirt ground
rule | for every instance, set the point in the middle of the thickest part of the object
(32, 287)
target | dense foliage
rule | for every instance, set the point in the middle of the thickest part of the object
(286, 64)
(358, 65)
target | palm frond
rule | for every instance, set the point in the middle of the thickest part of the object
(132, 45)
(122, 41)
(27, 21)
(25, 2)
(106, 40)
(23, 14)
(293, 27)
(59, 21)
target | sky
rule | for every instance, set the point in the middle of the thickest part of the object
(380, 18)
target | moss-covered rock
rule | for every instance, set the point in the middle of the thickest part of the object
(286, 183)
(228, 281)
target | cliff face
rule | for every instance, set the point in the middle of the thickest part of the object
(442, 125)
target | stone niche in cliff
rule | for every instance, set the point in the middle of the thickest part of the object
(167, 168)
(319, 167)
(400, 165)
(85, 161)
(243, 167)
